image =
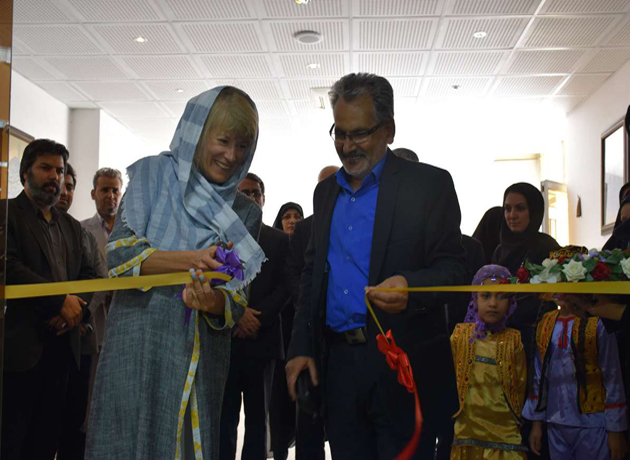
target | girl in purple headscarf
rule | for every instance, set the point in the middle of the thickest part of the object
(491, 375)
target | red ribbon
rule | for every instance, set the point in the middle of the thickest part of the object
(398, 361)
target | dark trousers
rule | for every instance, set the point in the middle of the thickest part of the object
(310, 437)
(359, 420)
(281, 414)
(251, 377)
(72, 442)
(33, 404)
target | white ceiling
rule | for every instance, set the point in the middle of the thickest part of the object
(83, 51)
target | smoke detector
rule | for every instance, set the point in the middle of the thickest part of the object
(308, 37)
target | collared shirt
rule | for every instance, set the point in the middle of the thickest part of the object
(106, 229)
(56, 244)
(349, 250)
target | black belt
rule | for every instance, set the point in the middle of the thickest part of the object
(351, 337)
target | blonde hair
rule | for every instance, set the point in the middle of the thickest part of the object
(234, 113)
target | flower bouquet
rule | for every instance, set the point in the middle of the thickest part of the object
(577, 264)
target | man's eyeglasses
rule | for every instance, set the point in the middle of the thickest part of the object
(357, 137)
(255, 193)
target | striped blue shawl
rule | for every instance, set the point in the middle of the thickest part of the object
(176, 209)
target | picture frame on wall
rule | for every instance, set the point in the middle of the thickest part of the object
(18, 140)
(614, 173)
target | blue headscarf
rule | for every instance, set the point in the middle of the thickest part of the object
(173, 205)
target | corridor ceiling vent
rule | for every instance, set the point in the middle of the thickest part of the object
(308, 37)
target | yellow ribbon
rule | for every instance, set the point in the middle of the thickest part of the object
(22, 291)
(172, 279)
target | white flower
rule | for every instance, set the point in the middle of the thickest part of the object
(574, 271)
(545, 277)
(548, 263)
(625, 266)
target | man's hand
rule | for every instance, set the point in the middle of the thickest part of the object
(249, 323)
(605, 306)
(241, 333)
(618, 445)
(71, 310)
(535, 437)
(295, 367)
(59, 324)
(391, 302)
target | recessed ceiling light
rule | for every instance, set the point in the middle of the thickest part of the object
(179, 90)
(301, 2)
(308, 37)
(140, 39)
(480, 34)
(313, 65)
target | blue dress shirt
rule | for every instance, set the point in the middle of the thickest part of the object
(349, 250)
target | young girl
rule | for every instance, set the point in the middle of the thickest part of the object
(491, 375)
(578, 388)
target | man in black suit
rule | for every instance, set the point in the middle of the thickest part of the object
(256, 343)
(42, 338)
(381, 221)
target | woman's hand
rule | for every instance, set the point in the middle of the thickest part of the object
(617, 445)
(206, 259)
(535, 437)
(200, 296)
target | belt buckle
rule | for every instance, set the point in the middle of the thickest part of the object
(356, 336)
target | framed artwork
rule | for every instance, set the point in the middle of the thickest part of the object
(18, 140)
(614, 169)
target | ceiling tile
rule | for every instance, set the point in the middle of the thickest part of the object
(31, 11)
(61, 90)
(209, 9)
(301, 88)
(111, 90)
(548, 61)
(161, 67)
(585, 6)
(466, 86)
(405, 87)
(134, 110)
(548, 32)
(236, 66)
(502, 33)
(116, 10)
(160, 38)
(58, 39)
(87, 68)
(395, 34)
(258, 90)
(223, 37)
(297, 65)
(527, 86)
(493, 7)
(622, 37)
(399, 64)
(176, 109)
(171, 90)
(334, 33)
(607, 60)
(305, 108)
(30, 69)
(18, 48)
(467, 62)
(566, 103)
(320, 8)
(161, 127)
(269, 109)
(583, 85)
(382, 8)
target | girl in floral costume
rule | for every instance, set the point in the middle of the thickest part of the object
(491, 375)
(578, 387)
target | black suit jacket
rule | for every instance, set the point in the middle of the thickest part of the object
(416, 235)
(27, 263)
(268, 295)
(295, 262)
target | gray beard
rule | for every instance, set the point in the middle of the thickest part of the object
(39, 195)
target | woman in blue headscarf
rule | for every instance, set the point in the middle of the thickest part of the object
(165, 359)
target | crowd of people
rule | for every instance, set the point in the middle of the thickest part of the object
(163, 372)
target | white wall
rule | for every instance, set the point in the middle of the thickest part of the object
(36, 112)
(585, 126)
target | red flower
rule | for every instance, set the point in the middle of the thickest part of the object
(601, 272)
(523, 275)
(561, 259)
(504, 281)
